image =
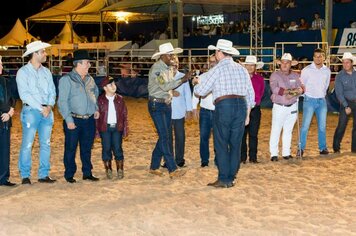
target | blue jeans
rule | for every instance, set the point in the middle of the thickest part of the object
(205, 125)
(161, 114)
(311, 105)
(229, 126)
(111, 142)
(33, 121)
(84, 133)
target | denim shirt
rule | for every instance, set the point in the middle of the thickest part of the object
(77, 96)
(36, 87)
(182, 103)
(345, 87)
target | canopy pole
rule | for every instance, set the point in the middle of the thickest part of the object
(101, 27)
(180, 22)
(71, 30)
(170, 23)
(329, 21)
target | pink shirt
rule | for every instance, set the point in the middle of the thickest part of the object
(258, 85)
(279, 82)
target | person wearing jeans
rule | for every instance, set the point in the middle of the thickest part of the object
(205, 116)
(37, 92)
(234, 97)
(315, 78)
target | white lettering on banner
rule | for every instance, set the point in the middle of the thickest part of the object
(348, 39)
(210, 20)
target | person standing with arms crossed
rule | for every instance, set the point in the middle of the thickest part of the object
(38, 94)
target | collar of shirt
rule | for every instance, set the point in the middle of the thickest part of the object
(314, 66)
(163, 64)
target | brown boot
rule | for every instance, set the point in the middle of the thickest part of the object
(120, 169)
(108, 169)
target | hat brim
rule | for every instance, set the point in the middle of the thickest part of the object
(158, 54)
(35, 49)
(259, 64)
(293, 62)
(231, 51)
(353, 59)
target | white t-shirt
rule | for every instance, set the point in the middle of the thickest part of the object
(112, 111)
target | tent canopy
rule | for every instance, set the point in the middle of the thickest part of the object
(17, 36)
(190, 7)
(65, 36)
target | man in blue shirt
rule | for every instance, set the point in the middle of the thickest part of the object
(37, 92)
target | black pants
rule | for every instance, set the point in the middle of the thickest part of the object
(252, 131)
(4, 153)
(341, 127)
(179, 140)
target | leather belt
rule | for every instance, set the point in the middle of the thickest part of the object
(160, 100)
(289, 105)
(219, 99)
(85, 117)
(112, 125)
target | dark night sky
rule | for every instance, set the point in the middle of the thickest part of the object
(20, 9)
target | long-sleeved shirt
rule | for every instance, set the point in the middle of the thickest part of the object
(182, 103)
(258, 84)
(36, 87)
(316, 81)
(205, 102)
(6, 99)
(77, 95)
(345, 87)
(161, 81)
(279, 82)
(227, 78)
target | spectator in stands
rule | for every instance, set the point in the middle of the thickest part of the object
(293, 26)
(125, 67)
(186, 32)
(279, 24)
(318, 23)
(164, 35)
(352, 24)
(277, 5)
(316, 79)
(135, 45)
(7, 106)
(157, 35)
(291, 4)
(346, 94)
(303, 25)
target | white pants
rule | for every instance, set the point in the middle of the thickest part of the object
(282, 118)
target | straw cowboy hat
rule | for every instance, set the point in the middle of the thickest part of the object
(287, 57)
(34, 47)
(166, 48)
(348, 56)
(225, 46)
(252, 60)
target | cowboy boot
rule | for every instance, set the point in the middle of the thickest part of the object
(120, 169)
(108, 169)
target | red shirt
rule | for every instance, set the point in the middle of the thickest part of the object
(258, 85)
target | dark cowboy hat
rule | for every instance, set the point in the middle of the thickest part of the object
(81, 54)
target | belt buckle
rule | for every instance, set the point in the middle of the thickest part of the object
(112, 125)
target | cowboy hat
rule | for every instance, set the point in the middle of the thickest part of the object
(34, 47)
(287, 57)
(348, 56)
(224, 46)
(252, 60)
(166, 48)
(81, 54)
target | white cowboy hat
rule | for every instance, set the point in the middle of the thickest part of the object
(252, 60)
(225, 46)
(166, 48)
(34, 47)
(348, 56)
(287, 57)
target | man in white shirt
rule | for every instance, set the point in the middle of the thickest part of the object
(315, 78)
(205, 116)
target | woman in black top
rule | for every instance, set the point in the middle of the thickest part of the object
(7, 104)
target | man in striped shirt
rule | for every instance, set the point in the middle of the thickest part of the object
(234, 97)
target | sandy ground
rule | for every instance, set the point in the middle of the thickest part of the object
(316, 196)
